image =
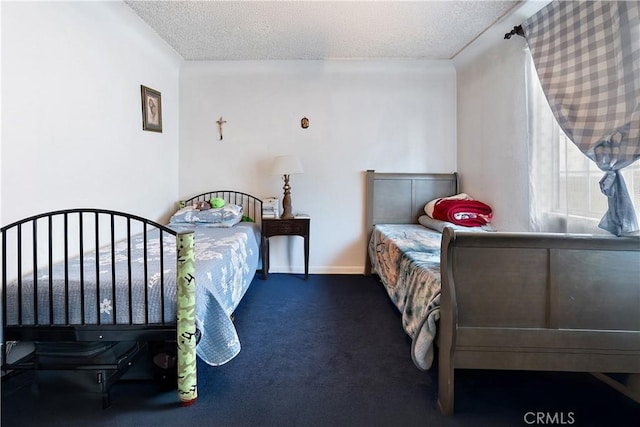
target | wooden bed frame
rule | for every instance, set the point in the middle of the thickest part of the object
(523, 301)
(25, 241)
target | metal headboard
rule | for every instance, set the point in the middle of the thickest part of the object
(251, 205)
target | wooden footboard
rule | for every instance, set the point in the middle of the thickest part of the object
(533, 301)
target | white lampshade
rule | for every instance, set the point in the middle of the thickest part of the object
(286, 165)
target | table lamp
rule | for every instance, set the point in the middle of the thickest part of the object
(285, 166)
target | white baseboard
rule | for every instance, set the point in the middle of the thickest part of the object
(317, 269)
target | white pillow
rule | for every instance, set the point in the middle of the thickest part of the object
(226, 216)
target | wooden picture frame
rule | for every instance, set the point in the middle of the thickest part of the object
(151, 109)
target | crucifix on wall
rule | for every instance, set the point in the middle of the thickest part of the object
(220, 122)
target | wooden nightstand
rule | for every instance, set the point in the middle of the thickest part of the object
(284, 227)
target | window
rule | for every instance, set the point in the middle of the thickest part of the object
(578, 182)
(565, 192)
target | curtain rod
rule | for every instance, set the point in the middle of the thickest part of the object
(517, 30)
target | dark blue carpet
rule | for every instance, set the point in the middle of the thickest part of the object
(329, 351)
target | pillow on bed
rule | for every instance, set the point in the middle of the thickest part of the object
(438, 225)
(227, 216)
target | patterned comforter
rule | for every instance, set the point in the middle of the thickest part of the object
(407, 259)
(226, 261)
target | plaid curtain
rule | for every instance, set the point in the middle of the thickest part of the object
(587, 56)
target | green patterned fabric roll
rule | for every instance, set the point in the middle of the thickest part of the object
(186, 319)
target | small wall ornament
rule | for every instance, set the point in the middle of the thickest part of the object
(304, 123)
(220, 122)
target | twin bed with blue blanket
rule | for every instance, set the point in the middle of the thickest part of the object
(85, 281)
(499, 300)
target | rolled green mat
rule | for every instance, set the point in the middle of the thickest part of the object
(186, 320)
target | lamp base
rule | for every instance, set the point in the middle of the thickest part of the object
(286, 200)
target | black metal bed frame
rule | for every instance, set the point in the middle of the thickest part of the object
(87, 330)
(29, 235)
(251, 205)
(26, 236)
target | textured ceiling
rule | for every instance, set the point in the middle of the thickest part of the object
(255, 30)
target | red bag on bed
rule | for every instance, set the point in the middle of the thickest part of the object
(466, 212)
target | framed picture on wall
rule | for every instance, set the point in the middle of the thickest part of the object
(151, 109)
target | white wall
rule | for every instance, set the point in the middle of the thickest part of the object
(71, 125)
(492, 121)
(389, 116)
(492, 135)
(71, 110)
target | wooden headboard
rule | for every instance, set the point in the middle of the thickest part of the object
(399, 198)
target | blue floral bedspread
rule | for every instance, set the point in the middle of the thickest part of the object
(406, 257)
(226, 262)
